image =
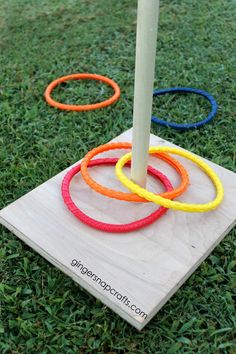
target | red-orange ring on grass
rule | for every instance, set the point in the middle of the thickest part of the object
(86, 107)
(130, 197)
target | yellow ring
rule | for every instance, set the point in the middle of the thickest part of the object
(135, 188)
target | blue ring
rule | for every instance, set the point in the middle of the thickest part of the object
(187, 126)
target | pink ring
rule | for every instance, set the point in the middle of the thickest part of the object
(65, 190)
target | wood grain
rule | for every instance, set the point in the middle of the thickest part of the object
(147, 266)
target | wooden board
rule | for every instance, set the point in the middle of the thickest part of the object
(135, 273)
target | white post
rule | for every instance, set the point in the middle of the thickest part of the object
(146, 38)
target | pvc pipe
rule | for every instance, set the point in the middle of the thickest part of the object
(146, 38)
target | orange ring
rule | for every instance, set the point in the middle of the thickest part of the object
(87, 107)
(130, 197)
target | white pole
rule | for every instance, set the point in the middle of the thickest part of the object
(146, 38)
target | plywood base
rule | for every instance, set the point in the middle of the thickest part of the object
(135, 273)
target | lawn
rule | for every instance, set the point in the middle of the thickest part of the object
(42, 310)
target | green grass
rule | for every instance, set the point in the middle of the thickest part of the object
(42, 310)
